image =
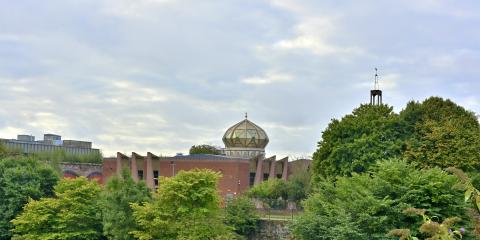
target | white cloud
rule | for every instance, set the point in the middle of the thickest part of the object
(132, 8)
(48, 122)
(11, 132)
(312, 33)
(268, 78)
(386, 82)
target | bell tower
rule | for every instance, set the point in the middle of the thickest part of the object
(376, 93)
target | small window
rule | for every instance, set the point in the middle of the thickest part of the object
(252, 178)
(155, 177)
(265, 176)
(140, 174)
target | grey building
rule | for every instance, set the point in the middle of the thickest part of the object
(50, 143)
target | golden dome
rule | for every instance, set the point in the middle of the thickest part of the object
(245, 134)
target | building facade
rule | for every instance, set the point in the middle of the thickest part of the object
(242, 165)
(26, 144)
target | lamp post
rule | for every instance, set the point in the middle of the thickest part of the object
(173, 168)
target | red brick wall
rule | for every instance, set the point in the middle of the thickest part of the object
(235, 172)
(109, 168)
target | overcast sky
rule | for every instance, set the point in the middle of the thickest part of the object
(162, 75)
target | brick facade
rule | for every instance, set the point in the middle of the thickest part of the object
(238, 174)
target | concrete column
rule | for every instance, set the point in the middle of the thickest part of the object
(259, 172)
(271, 174)
(149, 171)
(285, 168)
(119, 164)
(133, 167)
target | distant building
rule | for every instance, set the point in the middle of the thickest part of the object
(242, 165)
(51, 142)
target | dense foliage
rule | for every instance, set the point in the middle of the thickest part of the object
(204, 149)
(270, 192)
(274, 193)
(299, 186)
(436, 132)
(358, 140)
(21, 179)
(434, 230)
(60, 156)
(117, 196)
(187, 199)
(443, 134)
(73, 214)
(369, 205)
(240, 213)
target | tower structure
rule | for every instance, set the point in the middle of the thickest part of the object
(376, 93)
(245, 139)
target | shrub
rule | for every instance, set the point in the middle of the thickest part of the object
(21, 179)
(240, 213)
(369, 205)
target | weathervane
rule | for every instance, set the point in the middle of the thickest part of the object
(246, 115)
(376, 93)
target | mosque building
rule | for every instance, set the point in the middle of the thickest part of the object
(243, 163)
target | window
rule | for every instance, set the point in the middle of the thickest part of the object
(155, 178)
(265, 176)
(252, 178)
(140, 174)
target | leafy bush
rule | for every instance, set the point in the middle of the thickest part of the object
(433, 229)
(443, 134)
(272, 192)
(298, 186)
(59, 156)
(186, 206)
(73, 214)
(21, 179)
(240, 213)
(204, 149)
(369, 205)
(117, 196)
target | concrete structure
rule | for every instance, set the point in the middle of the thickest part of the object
(50, 143)
(89, 170)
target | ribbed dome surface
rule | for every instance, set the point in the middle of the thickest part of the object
(245, 134)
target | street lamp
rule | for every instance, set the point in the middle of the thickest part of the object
(173, 168)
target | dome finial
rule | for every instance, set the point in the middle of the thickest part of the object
(246, 115)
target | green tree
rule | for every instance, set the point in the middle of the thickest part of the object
(358, 140)
(20, 179)
(369, 205)
(272, 192)
(443, 134)
(117, 196)
(299, 187)
(3, 150)
(240, 213)
(186, 206)
(73, 214)
(204, 149)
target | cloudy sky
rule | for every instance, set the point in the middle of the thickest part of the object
(162, 75)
